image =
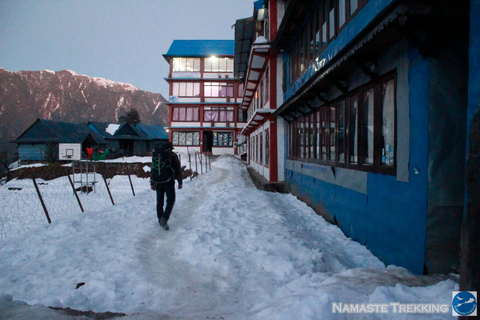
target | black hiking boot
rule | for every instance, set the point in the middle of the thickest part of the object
(163, 223)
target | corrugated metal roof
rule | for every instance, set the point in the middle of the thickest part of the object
(54, 131)
(200, 48)
(154, 132)
(140, 132)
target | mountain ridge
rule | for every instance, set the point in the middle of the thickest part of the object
(70, 97)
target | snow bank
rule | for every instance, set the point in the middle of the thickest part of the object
(233, 252)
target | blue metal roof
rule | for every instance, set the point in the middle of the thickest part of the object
(200, 48)
(258, 4)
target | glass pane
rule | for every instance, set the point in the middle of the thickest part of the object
(331, 25)
(179, 64)
(196, 138)
(210, 115)
(341, 13)
(181, 138)
(353, 6)
(189, 64)
(302, 139)
(267, 148)
(324, 34)
(208, 64)
(319, 143)
(175, 89)
(332, 134)
(323, 129)
(388, 125)
(261, 148)
(223, 115)
(175, 114)
(189, 114)
(312, 137)
(368, 126)
(341, 132)
(353, 132)
(189, 138)
(229, 65)
(181, 115)
(196, 89)
(195, 114)
(175, 138)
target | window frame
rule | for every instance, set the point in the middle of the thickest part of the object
(225, 111)
(180, 89)
(176, 138)
(177, 110)
(194, 61)
(219, 85)
(324, 137)
(324, 23)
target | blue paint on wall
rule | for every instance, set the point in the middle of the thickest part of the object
(390, 219)
(474, 64)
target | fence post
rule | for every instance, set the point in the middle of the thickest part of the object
(75, 192)
(131, 184)
(196, 167)
(41, 200)
(108, 189)
(190, 163)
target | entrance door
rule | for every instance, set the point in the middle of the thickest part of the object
(207, 141)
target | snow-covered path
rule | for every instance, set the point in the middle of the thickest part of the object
(232, 252)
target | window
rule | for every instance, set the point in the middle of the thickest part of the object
(222, 114)
(388, 123)
(218, 89)
(368, 126)
(331, 20)
(186, 64)
(353, 6)
(186, 89)
(267, 85)
(267, 147)
(256, 148)
(242, 115)
(353, 132)
(185, 114)
(341, 13)
(215, 64)
(342, 143)
(356, 131)
(260, 136)
(328, 18)
(186, 138)
(222, 139)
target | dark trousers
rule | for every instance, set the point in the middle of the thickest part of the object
(163, 189)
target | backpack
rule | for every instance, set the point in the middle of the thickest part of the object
(162, 170)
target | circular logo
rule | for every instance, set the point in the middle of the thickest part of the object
(464, 303)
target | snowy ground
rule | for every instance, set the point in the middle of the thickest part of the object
(232, 252)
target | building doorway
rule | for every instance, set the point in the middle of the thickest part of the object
(207, 141)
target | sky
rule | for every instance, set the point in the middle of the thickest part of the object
(120, 40)
(232, 252)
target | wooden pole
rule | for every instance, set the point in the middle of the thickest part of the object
(75, 192)
(41, 200)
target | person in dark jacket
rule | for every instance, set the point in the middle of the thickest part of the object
(165, 170)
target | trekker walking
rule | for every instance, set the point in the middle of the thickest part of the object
(165, 170)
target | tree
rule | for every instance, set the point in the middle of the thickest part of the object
(132, 117)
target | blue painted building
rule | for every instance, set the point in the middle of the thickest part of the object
(376, 101)
(41, 140)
